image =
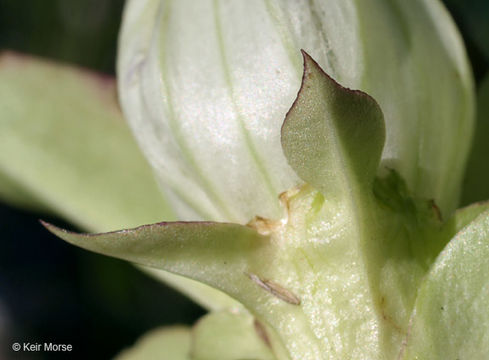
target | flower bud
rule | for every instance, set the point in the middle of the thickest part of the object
(206, 85)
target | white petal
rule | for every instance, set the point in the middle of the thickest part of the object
(206, 85)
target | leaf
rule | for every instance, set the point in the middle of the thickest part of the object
(451, 316)
(232, 258)
(226, 335)
(63, 140)
(172, 343)
(218, 254)
(204, 295)
(65, 148)
(216, 336)
(332, 136)
(15, 194)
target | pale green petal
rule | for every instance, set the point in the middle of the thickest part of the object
(170, 343)
(451, 317)
(220, 143)
(226, 336)
(200, 77)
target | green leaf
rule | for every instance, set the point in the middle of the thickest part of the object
(332, 136)
(64, 141)
(226, 335)
(217, 336)
(171, 343)
(204, 295)
(15, 194)
(65, 148)
(476, 183)
(451, 316)
(232, 258)
(218, 254)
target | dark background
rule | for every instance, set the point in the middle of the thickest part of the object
(51, 291)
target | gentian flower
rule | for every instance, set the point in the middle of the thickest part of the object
(206, 85)
(312, 152)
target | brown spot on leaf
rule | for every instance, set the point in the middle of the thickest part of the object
(276, 290)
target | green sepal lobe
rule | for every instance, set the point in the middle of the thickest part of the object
(332, 136)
